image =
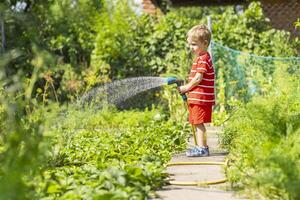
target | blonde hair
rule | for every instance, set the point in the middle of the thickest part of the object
(200, 33)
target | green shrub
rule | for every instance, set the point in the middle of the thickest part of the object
(107, 154)
(261, 138)
(139, 46)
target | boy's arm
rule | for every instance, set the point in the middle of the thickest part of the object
(194, 82)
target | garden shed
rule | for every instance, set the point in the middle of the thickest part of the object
(282, 13)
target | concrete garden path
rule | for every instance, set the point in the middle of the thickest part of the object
(198, 173)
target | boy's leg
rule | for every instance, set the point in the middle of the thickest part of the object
(198, 115)
(201, 135)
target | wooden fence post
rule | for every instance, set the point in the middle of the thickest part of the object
(210, 28)
(2, 32)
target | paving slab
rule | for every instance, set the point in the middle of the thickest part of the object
(198, 173)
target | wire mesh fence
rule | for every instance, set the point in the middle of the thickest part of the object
(241, 75)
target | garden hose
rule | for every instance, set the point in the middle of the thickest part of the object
(196, 183)
(179, 82)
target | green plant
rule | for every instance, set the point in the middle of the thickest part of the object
(261, 138)
(297, 23)
(21, 122)
(107, 154)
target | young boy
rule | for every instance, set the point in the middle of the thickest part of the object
(200, 88)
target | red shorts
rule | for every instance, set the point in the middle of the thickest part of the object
(199, 114)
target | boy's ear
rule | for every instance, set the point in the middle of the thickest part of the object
(207, 43)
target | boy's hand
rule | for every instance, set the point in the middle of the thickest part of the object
(182, 89)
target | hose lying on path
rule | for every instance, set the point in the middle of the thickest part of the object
(196, 183)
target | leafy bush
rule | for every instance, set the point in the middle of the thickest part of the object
(107, 154)
(139, 46)
(261, 138)
(247, 31)
(21, 134)
(251, 32)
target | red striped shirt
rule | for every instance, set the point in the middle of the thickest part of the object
(204, 92)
